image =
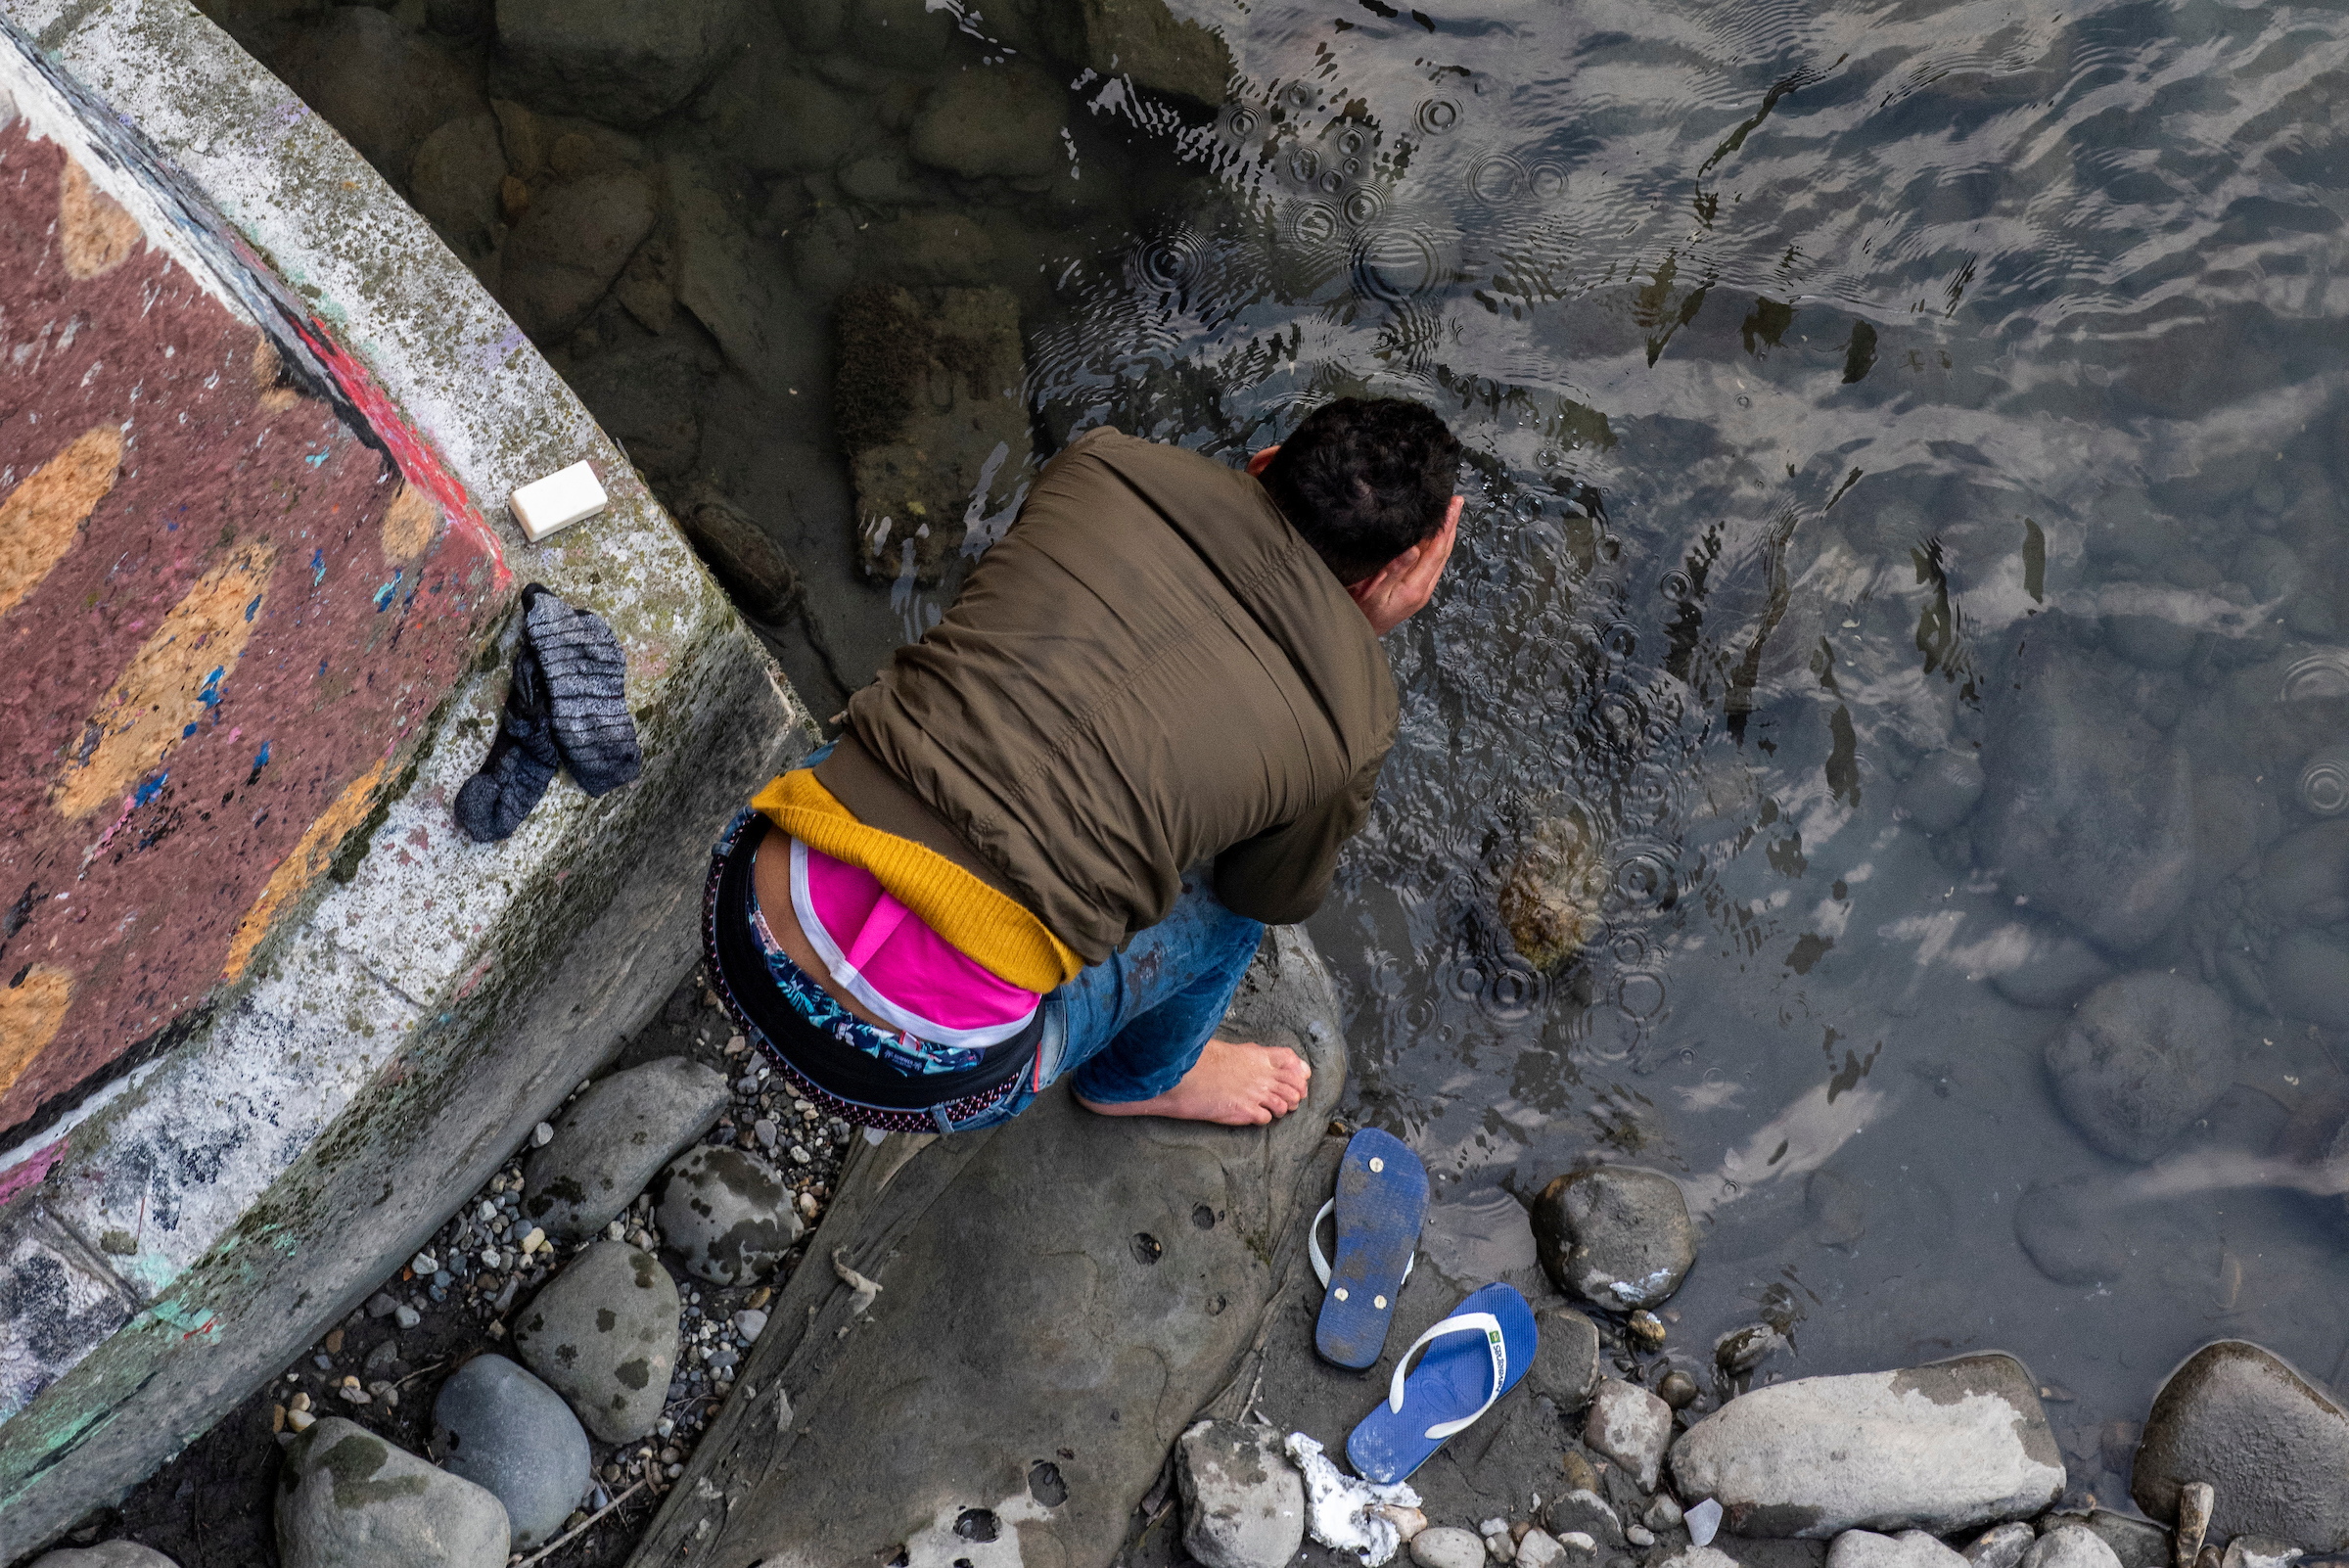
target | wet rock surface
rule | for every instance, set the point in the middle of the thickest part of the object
(2141, 1058)
(631, 63)
(613, 1138)
(2271, 1444)
(1940, 1447)
(727, 1214)
(1911, 1548)
(1243, 1504)
(604, 1334)
(511, 1435)
(346, 1496)
(1614, 1235)
(1566, 1364)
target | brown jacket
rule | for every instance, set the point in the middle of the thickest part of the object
(1150, 668)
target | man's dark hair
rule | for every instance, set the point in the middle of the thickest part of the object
(1365, 479)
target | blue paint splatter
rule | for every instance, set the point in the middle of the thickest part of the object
(210, 695)
(317, 568)
(382, 595)
(146, 792)
(251, 608)
(316, 458)
(321, 675)
(261, 758)
(186, 731)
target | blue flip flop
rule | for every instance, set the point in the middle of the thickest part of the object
(1473, 1357)
(1382, 1196)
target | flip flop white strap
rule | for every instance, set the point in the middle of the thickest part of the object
(1484, 1324)
(1312, 1247)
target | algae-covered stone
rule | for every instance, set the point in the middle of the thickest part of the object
(1549, 900)
(1940, 1447)
(1243, 1504)
(2273, 1445)
(345, 1496)
(727, 1214)
(611, 1139)
(930, 412)
(615, 61)
(562, 257)
(603, 1333)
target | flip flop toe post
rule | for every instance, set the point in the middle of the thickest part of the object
(1382, 1197)
(1472, 1359)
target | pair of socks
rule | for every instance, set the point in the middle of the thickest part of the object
(566, 708)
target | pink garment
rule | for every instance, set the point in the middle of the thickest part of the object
(880, 953)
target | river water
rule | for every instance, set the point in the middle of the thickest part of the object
(1898, 626)
(1848, 390)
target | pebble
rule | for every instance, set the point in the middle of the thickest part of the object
(1911, 1549)
(1741, 1349)
(2194, 1501)
(2141, 1059)
(1447, 1546)
(799, 1156)
(1565, 1365)
(1645, 1330)
(764, 1131)
(2001, 1546)
(1582, 1511)
(1677, 1389)
(1703, 1522)
(1638, 1535)
(726, 1214)
(423, 1263)
(2068, 1235)
(2259, 1551)
(541, 1136)
(1243, 1504)
(750, 1323)
(507, 1432)
(1614, 1235)
(1664, 1513)
(2069, 1546)
(1631, 1426)
(1538, 1549)
(380, 1305)
(408, 1511)
(604, 1334)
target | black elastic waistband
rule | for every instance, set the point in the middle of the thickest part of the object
(833, 1065)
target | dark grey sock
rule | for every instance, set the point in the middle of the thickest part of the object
(521, 759)
(586, 675)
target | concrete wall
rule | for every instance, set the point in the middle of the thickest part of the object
(256, 1055)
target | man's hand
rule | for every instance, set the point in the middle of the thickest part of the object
(1399, 590)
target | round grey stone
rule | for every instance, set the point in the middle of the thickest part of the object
(2070, 1545)
(2144, 1056)
(1911, 1548)
(105, 1554)
(2070, 1240)
(2042, 967)
(345, 1496)
(2270, 1442)
(1447, 1546)
(1614, 1235)
(603, 1333)
(727, 1214)
(611, 60)
(505, 1431)
(610, 1141)
(1944, 789)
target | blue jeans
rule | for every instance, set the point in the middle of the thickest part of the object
(1132, 1026)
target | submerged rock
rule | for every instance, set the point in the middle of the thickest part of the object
(2087, 811)
(929, 410)
(2308, 977)
(2273, 1446)
(1941, 1447)
(604, 1334)
(1614, 1235)
(2067, 1236)
(613, 61)
(345, 1496)
(1143, 41)
(380, 86)
(1004, 120)
(2144, 1056)
(1944, 789)
(1911, 1549)
(456, 174)
(1552, 895)
(612, 1137)
(1243, 1504)
(744, 556)
(508, 1432)
(2037, 965)
(562, 257)
(727, 1214)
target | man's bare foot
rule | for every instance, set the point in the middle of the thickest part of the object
(1234, 1082)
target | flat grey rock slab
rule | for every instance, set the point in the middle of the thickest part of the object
(1243, 1503)
(1059, 1298)
(2273, 1446)
(346, 1498)
(611, 1139)
(508, 1432)
(1911, 1549)
(1942, 1447)
(1616, 1236)
(727, 1214)
(603, 1333)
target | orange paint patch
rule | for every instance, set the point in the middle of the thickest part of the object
(42, 517)
(97, 235)
(161, 694)
(31, 1012)
(270, 381)
(302, 866)
(410, 524)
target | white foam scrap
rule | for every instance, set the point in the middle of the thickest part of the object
(557, 502)
(1339, 1507)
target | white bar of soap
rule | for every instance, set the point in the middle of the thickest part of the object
(557, 502)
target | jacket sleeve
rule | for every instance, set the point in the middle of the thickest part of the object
(1281, 875)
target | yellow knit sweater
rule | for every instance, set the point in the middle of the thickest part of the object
(993, 930)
